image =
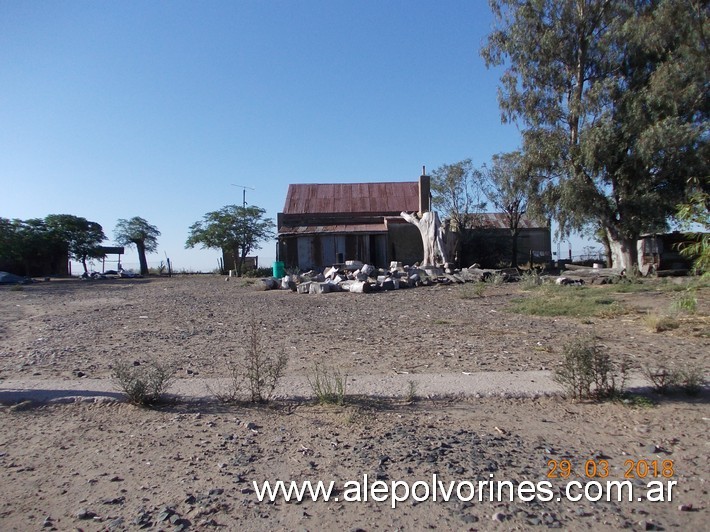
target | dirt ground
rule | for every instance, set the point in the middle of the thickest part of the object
(98, 465)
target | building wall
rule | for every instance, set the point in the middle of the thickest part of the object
(312, 252)
(405, 243)
(491, 248)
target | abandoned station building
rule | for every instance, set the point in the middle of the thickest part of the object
(326, 224)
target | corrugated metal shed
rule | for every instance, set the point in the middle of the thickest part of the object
(352, 198)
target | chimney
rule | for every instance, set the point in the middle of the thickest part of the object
(424, 192)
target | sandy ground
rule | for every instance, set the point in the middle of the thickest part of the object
(98, 464)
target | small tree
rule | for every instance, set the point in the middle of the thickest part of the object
(457, 191)
(80, 237)
(140, 233)
(239, 230)
(506, 186)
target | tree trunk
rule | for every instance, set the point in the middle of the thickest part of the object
(141, 258)
(240, 268)
(83, 263)
(624, 255)
(235, 260)
(607, 249)
(428, 226)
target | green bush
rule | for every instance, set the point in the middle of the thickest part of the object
(143, 384)
(328, 385)
(587, 372)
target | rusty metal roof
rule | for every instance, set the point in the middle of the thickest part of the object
(373, 198)
(335, 228)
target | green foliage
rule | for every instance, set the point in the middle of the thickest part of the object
(233, 228)
(686, 302)
(43, 241)
(695, 212)
(507, 186)
(258, 272)
(139, 233)
(143, 384)
(612, 101)
(457, 191)
(587, 371)
(328, 385)
(81, 236)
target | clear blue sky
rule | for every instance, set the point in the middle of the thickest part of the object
(118, 109)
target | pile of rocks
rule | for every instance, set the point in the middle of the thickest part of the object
(355, 276)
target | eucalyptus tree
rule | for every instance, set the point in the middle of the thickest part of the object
(612, 101)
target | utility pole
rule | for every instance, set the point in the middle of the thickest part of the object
(244, 193)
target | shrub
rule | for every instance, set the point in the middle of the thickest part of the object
(143, 384)
(661, 378)
(587, 372)
(262, 371)
(692, 380)
(258, 272)
(328, 385)
(411, 394)
(256, 371)
(664, 380)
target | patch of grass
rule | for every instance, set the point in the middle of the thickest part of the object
(472, 290)
(496, 279)
(328, 385)
(572, 301)
(659, 323)
(687, 302)
(633, 399)
(530, 280)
